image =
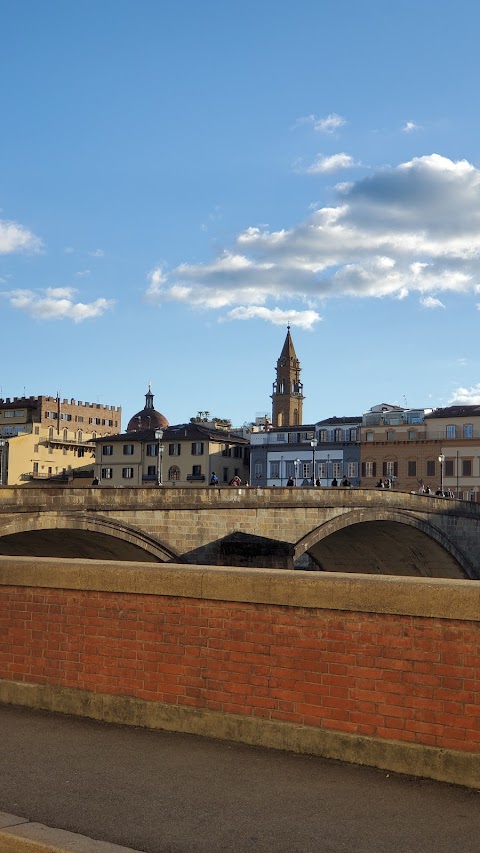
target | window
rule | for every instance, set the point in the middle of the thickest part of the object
(306, 470)
(466, 467)
(390, 435)
(196, 470)
(280, 436)
(152, 449)
(449, 467)
(107, 450)
(174, 449)
(81, 452)
(65, 434)
(322, 470)
(275, 470)
(369, 436)
(107, 473)
(197, 448)
(37, 430)
(412, 468)
(412, 434)
(258, 471)
(352, 469)
(152, 471)
(35, 467)
(127, 473)
(50, 434)
(468, 430)
(225, 475)
(174, 472)
(451, 431)
(337, 469)
(353, 437)
(430, 468)
(389, 469)
(323, 435)
(238, 452)
(370, 469)
(289, 469)
(128, 449)
(80, 419)
(338, 435)
(9, 414)
(80, 435)
(65, 417)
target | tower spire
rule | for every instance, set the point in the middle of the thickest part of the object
(287, 396)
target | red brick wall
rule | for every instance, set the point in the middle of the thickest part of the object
(408, 678)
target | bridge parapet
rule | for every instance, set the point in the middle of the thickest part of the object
(101, 499)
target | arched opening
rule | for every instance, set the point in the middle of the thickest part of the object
(72, 544)
(386, 546)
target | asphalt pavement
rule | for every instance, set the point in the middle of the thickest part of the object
(163, 792)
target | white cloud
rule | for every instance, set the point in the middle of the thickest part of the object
(83, 273)
(56, 303)
(97, 253)
(431, 302)
(16, 238)
(411, 228)
(410, 126)
(330, 164)
(277, 316)
(467, 396)
(328, 124)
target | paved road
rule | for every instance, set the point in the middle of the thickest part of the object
(163, 792)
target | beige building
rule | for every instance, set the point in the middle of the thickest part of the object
(48, 439)
(183, 455)
(416, 448)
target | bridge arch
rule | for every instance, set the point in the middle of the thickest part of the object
(89, 536)
(382, 541)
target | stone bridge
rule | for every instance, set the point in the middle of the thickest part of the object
(346, 530)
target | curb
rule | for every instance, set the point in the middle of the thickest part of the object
(19, 835)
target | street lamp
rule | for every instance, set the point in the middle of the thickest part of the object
(441, 459)
(296, 463)
(313, 444)
(158, 437)
(2, 451)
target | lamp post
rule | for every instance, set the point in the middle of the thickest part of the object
(158, 437)
(2, 451)
(296, 463)
(441, 459)
(313, 444)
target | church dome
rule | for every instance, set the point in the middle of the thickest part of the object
(148, 417)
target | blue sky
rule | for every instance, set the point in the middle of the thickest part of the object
(180, 180)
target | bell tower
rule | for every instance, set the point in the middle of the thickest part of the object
(287, 397)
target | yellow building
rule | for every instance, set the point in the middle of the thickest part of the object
(49, 439)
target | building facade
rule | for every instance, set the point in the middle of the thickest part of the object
(311, 455)
(182, 455)
(46, 438)
(420, 448)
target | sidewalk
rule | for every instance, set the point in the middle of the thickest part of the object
(162, 792)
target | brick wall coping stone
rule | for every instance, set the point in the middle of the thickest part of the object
(427, 597)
